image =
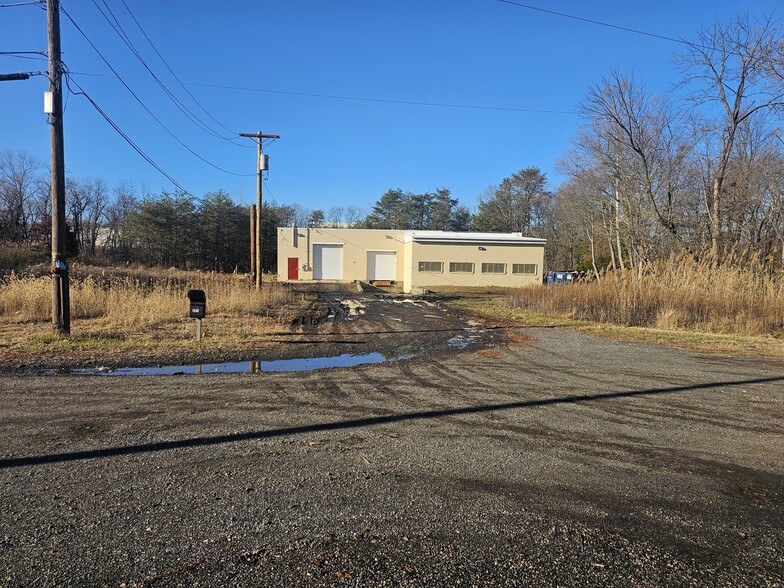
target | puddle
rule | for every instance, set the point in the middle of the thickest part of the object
(302, 364)
(462, 341)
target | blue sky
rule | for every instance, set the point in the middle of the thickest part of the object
(270, 65)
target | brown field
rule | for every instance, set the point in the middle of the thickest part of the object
(116, 311)
(121, 310)
(679, 293)
(682, 302)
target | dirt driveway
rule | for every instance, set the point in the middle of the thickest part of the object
(533, 457)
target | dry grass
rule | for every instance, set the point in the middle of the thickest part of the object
(139, 298)
(679, 293)
(133, 313)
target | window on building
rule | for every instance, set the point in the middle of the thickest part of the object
(431, 266)
(462, 267)
(493, 268)
(524, 268)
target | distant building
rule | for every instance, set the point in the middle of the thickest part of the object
(417, 260)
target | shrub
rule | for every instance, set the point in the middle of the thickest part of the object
(679, 292)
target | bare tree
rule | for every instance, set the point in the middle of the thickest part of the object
(301, 215)
(640, 141)
(336, 216)
(117, 214)
(19, 172)
(731, 67)
(86, 202)
(353, 215)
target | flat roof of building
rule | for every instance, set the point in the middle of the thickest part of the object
(470, 237)
(444, 236)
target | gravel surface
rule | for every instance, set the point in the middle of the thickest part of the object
(545, 458)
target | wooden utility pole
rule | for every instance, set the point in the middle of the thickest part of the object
(253, 243)
(260, 168)
(61, 304)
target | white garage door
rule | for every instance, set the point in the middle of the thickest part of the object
(328, 262)
(382, 265)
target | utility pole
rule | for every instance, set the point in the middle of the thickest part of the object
(262, 165)
(61, 304)
(253, 243)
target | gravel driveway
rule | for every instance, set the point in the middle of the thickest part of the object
(545, 458)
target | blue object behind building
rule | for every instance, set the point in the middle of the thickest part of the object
(561, 277)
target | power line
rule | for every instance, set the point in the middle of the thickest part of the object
(21, 53)
(38, 2)
(117, 27)
(353, 98)
(30, 57)
(605, 24)
(147, 158)
(175, 75)
(266, 183)
(141, 102)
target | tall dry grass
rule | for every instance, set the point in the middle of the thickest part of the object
(139, 298)
(13, 257)
(678, 293)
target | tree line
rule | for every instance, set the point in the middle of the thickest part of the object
(173, 229)
(698, 170)
(105, 225)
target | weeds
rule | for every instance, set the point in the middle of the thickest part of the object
(137, 298)
(679, 293)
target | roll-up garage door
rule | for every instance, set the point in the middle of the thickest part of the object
(382, 266)
(328, 262)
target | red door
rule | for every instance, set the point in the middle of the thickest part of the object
(293, 268)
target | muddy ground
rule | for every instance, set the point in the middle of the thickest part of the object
(337, 319)
(527, 457)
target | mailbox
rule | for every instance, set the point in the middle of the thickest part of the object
(198, 304)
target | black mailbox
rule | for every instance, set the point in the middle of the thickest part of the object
(198, 306)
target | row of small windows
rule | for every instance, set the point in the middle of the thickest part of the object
(467, 267)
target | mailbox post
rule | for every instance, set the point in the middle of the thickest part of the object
(197, 309)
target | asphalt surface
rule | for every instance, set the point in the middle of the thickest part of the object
(531, 457)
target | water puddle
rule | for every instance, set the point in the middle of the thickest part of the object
(302, 364)
(462, 341)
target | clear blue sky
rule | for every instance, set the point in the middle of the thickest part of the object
(273, 57)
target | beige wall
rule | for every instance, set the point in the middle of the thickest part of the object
(471, 253)
(356, 244)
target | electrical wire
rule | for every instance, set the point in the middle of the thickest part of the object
(605, 24)
(21, 4)
(117, 27)
(69, 80)
(143, 105)
(176, 77)
(21, 53)
(353, 98)
(266, 187)
(10, 54)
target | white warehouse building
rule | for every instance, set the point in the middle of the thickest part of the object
(416, 260)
